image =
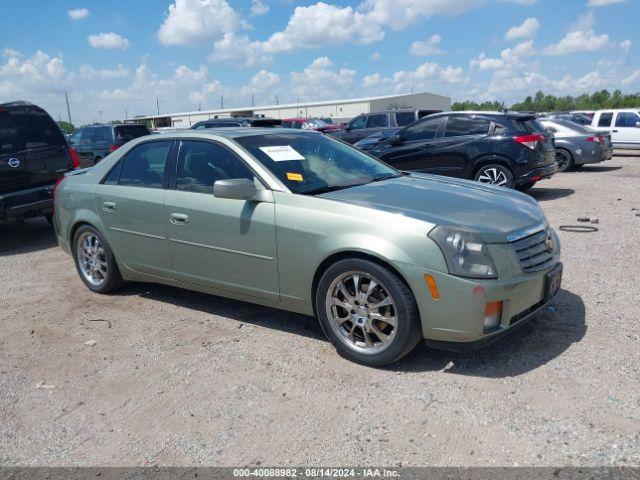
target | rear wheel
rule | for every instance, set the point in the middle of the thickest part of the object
(95, 261)
(367, 312)
(564, 159)
(495, 174)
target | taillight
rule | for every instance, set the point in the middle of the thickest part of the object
(75, 158)
(530, 141)
(597, 139)
(113, 147)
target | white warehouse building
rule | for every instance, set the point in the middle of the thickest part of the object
(338, 110)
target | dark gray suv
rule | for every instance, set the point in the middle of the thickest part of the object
(96, 142)
(369, 123)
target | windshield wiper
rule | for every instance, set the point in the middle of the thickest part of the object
(330, 188)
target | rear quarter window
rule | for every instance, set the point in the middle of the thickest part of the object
(528, 126)
(405, 118)
(34, 128)
(129, 132)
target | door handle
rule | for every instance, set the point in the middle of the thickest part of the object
(109, 206)
(179, 218)
(614, 131)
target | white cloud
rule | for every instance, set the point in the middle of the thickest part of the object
(264, 80)
(427, 47)
(510, 58)
(371, 80)
(375, 56)
(87, 71)
(579, 41)
(625, 46)
(603, 3)
(108, 41)
(321, 80)
(258, 8)
(239, 49)
(191, 22)
(529, 28)
(38, 76)
(78, 13)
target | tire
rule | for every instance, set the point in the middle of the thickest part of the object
(95, 262)
(564, 159)
(525, 186)
(495, 174)
(352, 326)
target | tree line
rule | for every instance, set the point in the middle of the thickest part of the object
(542, 102)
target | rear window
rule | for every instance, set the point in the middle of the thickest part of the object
(129, 132)
(378, 121)
(605, 119)
(32, 127)
(405, 118)
(530, 125)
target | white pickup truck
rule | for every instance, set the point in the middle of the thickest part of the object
(622, 124)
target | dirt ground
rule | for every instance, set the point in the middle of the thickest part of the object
(181, 378)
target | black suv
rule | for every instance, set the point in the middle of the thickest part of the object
(34, 154)
(97, 141)
(507, 149)
(369, 123)
(237, 122)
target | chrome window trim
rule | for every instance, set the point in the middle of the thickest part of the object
(519, 235)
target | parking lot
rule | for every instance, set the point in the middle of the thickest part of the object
(181, 378)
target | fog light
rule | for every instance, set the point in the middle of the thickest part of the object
(492, 315)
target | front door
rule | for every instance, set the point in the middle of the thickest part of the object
(626, 130)
(415, 152)
(130, 204)
(221, 243)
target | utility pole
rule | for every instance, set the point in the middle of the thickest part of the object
(252, 100)
(221, 101)
(100, 111)
(126, 115)
(66, 97)
(158, 105)
(277, 100)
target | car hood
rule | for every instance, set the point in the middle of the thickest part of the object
(493, 212)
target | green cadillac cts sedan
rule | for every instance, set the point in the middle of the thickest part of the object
(303, 222)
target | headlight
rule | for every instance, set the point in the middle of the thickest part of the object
(465, 253)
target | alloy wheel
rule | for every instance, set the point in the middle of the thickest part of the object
(361, 312)
(92, 259)
(564, 160)
(493, 176)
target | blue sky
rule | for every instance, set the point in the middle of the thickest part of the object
(118, 56)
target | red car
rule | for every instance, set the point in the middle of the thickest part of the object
(317, 124)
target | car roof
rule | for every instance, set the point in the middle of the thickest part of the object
(238, 132)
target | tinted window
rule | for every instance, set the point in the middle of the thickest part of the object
(627, 119)
(528, 126)
(8, 142)
(34, 128)
(201, 164)
(114, 175)
(102, 135)
(286, 124)
(605, 119)
(143, 166)
(357, 123)
(124, 133)
(405, 118)
(459, 125)
(75, 138)
(378, 121)
(423, 130)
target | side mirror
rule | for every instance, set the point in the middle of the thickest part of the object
(395, 140)
(235, 189)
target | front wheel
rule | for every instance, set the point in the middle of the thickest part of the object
(495, 174)
(367, 312)
(95, 261)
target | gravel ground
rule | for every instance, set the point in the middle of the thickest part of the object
(180, 378)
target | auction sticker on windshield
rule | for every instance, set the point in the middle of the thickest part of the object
(282, 153)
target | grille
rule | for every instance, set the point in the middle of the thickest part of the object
(535, 252)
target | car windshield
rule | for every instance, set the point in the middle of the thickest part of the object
(310, 163)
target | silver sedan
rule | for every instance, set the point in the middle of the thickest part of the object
(578, 145)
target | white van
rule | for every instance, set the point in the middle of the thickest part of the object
(623, 124)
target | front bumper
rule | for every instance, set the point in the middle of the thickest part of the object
(537, 174)
(456, 321)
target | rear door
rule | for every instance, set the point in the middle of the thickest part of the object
(626, 128)
(415, 150)
(604, 121)
(42, 155)
(130, 203)
(85, 147)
